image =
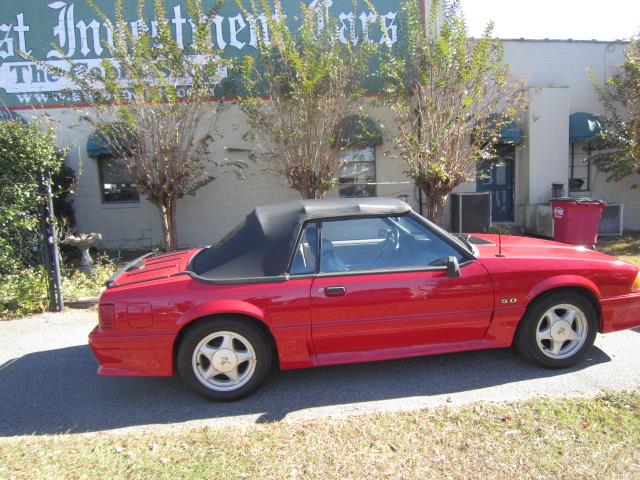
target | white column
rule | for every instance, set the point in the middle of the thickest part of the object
(547, 140)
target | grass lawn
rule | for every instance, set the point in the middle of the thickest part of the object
(568, 438)
(626, 247)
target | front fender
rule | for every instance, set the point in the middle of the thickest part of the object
(215, 307)
(562, 281)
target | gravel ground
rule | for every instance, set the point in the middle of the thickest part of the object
(48, 383)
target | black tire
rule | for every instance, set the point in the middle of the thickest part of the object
(526, 342)
(203, 329)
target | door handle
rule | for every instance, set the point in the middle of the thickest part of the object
(335, 291)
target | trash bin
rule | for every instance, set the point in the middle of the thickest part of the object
(576, 220)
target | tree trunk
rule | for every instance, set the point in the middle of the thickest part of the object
(432, 210)
(311, 193)
(435, 200)
(169, 233)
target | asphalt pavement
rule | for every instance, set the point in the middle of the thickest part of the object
(48, 383)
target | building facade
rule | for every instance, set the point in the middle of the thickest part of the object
(550, 145)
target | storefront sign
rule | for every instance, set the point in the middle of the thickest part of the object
(55, 30)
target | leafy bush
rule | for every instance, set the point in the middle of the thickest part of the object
(76, 284)
(23, 293)
(26, 292)
(26, 154)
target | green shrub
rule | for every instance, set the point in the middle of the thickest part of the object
(27, 152)
(23, 293)
(76, 284)
(26, 293)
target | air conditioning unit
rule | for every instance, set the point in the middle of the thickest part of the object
(470, 212)
(611, 221)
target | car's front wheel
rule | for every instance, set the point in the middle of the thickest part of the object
(558, 330)
(223, 359)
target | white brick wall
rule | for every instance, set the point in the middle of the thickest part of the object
(542, 159)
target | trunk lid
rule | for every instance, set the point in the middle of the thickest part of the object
(152, 267)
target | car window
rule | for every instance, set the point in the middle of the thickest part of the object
(381, 243)
(306, 254)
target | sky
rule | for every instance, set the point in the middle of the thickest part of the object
(555, 19)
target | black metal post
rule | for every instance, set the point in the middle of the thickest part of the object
(588, 161)
(573, 162)
(46, 257)
(51, 253)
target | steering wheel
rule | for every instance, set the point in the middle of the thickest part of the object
(389, 247)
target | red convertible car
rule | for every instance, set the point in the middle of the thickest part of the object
(310, 283)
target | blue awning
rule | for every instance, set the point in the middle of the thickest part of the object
(10, 115)
(98, 145)
(511, 133)
(583, 127)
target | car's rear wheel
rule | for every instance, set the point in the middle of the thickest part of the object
(558, 330)
(224, 359)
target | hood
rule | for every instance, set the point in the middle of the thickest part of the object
(527, 247)
(152, 267)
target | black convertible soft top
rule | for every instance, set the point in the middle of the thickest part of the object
(262, 245)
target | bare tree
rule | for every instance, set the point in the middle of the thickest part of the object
(451, 96)
(151, 103)
(296, 90)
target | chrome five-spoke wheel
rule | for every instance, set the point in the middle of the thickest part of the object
(558, 329)
(562, 331)
(224, 361)
(224, 358)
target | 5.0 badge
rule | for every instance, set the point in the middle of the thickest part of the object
(509, 300)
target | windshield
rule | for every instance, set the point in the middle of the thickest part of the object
(463, 243)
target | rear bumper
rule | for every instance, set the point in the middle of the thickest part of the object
(132, 355)
(620, 313)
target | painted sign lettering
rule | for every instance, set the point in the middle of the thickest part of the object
(55, 30)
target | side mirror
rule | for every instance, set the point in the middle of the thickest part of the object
(453, 268)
